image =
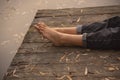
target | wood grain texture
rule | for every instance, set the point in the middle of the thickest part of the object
(78, 11)
(38, 59)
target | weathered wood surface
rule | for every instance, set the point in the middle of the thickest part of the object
(77, 11)
(72, 20)
(38, 59)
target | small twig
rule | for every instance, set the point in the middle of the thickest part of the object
(111, 68)
(14, 75)
(43, 73)
(81, 10)
(63, 57)
(71, 53)
(69, 77)
(76, 58)
(97, 72)
(86, 71)
(84, 54)
(78, 20)
(62, 77)
(68, 68)
(107, 79)
(67, 59)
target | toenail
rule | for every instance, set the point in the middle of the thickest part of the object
(36, 26)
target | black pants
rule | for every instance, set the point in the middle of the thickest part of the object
(101, 35)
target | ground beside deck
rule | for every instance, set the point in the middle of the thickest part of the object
(38, 59)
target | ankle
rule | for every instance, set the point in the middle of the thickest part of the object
(62, 39)
(59, 41)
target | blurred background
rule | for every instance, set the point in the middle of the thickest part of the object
(17, 15)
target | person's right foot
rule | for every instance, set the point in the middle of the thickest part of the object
(50, 34)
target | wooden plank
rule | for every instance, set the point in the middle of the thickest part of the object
(72, 20)
(37, 77)
(47, 70)
(38, 59)
(36, 38)
(44, 47)
(68, 57)
(78, 11)
(38, 47)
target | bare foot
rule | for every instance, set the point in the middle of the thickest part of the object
(50, 34)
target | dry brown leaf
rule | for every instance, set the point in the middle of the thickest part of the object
(103, 57)
(112, 78)
(67, 60)
(97, 72)
(81, 10)
(43, 73)
(69, 77)
(77, 56)
(107, 79)
(86, 71)
(63, 57)
(71, 53)
(68, 68)
(62, 77)
(14, 71)
(16, 76)
(78, 20)
(111, 68)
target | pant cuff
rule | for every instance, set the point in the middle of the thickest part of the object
(79, 29)
(84, 40)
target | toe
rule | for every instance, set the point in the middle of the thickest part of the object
(42, 24)
(37, 27)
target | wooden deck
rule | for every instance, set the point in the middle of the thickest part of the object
(38, 59)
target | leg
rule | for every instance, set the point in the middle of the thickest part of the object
(94, 27)
(68, 30)
(59, 39)
(97, 26)
(108, 38)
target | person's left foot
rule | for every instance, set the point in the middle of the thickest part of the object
(49, 33)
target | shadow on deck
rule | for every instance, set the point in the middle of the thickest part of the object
(37, 59)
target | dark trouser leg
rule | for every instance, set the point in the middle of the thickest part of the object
(97, 26)
(108, 38)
